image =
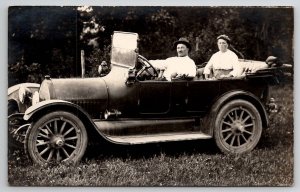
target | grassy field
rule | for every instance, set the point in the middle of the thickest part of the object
(193, 163)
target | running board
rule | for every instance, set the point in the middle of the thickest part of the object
(155, 138)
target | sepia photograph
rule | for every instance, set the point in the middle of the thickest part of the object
(150, 96)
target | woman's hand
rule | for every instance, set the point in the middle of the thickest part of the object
(225, 76)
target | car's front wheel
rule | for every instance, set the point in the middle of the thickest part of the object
(56, 137)
(238, 127)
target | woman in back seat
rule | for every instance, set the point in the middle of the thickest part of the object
(223, 63)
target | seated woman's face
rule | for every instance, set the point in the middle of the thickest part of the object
(222, 45)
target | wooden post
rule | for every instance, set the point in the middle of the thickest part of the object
(82, 63)
(197, 43)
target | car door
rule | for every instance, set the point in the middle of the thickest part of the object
(201, 94)
(179, 97)
(154, 97)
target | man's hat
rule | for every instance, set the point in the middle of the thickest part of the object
(224, 37)
(184, 41)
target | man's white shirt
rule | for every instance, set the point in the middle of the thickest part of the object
(180, 65)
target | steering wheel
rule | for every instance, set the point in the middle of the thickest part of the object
(147, 67)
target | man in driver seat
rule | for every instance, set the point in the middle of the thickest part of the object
(179, 67)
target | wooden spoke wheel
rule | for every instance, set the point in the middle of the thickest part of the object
(56, 137)
(238, 127)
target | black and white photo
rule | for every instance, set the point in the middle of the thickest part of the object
(150, 96)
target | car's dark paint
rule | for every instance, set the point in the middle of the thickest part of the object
(121, 97)
(149, 98)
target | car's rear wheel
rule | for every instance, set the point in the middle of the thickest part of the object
(238, 127)
(56, 137)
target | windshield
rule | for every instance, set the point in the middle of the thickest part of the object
(124, 47)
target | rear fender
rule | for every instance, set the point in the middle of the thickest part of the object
(208, 122)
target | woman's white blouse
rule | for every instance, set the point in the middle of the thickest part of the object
(226, 61)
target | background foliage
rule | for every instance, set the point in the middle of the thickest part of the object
(48, 40)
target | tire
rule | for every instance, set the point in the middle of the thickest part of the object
(238, 127)
(55, 138)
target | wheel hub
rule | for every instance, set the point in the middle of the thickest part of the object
(238, 127)
(57, 141)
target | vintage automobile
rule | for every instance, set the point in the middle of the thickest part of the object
(125, 107)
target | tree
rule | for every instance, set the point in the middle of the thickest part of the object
(43, 36)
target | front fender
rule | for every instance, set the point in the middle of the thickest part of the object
(46, 104)
(50, 105)
(209, 120)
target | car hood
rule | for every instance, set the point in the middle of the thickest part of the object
(76, 88)
(89, 93)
